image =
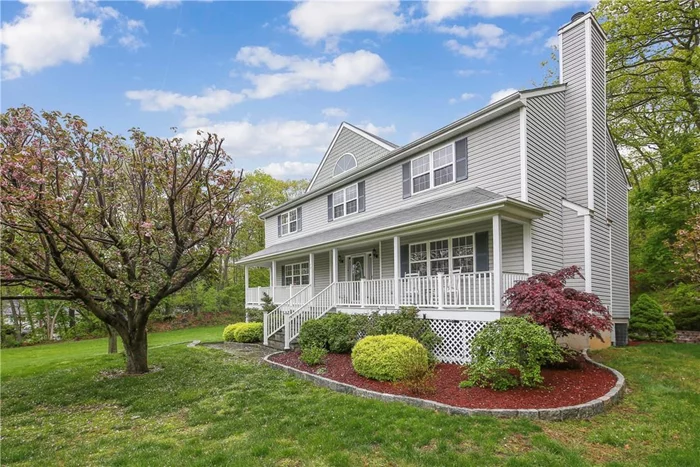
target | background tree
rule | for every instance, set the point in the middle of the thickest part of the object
(653, 113)
(116, 226)
(548, 302)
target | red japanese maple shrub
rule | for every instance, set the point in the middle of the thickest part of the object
(563, 310)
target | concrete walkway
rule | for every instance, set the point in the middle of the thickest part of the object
(253, 353)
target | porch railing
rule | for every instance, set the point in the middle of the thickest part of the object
(282, 293)
(316, 307)
(511, 278)
(274, 320)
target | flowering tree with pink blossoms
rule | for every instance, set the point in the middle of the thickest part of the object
(116, 224)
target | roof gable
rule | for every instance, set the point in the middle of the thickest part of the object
(349, 139)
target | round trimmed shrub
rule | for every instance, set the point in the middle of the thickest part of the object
(391, 357)
(248, 332)
(228, 331)
(510, 352)
(648, 321)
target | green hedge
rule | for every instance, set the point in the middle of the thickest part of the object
(228, 331)
(687, 318)
(335, 332)
(390, 357)
(248, 332)
(648, 321)
(510, 352)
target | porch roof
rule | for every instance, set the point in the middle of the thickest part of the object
(470, 202)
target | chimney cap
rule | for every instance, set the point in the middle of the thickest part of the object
(576, 16)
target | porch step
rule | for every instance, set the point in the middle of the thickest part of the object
(276, 341)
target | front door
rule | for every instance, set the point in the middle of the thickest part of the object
(356, 268)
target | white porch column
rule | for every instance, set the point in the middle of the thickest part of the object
(527, 248)
(334, 270)
(273, 280)
(497, 263)
(311, 271)
(397, 270)
(245, 275)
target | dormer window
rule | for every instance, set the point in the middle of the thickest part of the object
(346, 162)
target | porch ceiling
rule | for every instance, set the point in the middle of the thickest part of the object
(463, 206)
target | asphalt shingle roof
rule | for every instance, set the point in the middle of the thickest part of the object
(407, 215)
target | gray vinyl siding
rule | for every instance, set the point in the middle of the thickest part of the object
(600, 257)
(617, 212)
(574, 67)
(386, 258)
(364, 150)
(512, 247)
(546, 177)
(493, 164)
(574, 244)
(322, 271)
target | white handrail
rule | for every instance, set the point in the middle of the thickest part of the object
(318, 306)
(274, 320)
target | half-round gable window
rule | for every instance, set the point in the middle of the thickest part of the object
(346, 162)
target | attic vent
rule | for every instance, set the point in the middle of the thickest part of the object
(578, 15)
(620, 334)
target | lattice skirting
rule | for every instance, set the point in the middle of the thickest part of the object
(456, 339)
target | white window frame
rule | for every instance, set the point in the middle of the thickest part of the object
(288, 222)
(433, 168)
(450, 256)
(347, 170)
(301, 276)
(347, 201)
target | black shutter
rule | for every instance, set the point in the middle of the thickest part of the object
(299, 219)
(407, 180)
(330, 208)
(361, 196)
(482, 251)
(404, 260)
(279, 225)
(461, 160)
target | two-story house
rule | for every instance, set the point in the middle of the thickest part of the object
(448, 222)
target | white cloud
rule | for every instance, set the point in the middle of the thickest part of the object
(210, 101)
(156, 3)
(272, 139)
(334, 112)
(464, 97)
(439, 10)
(47, 34)
(552, 42)
(377, 130)
(131, 42)
(316, 20)
(486, 37)
(290, 169)
(498, 95)
(360, 68)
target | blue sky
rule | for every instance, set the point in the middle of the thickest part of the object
(274, 78)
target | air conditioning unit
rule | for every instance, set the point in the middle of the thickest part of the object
(621, 334)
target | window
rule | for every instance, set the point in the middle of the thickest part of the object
(463, 253)
(442, 256)
(432, 170)
(345, 201)
(346, 162)
(296, 274)
(288, 222)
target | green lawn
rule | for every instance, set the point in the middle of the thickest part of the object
(209, 408)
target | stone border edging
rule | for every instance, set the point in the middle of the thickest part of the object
(581, 411)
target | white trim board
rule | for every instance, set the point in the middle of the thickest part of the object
(523, 154)
(589, 115)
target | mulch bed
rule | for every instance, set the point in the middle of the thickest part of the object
(561, 387)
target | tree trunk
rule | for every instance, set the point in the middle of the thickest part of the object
(71, 317)
(136, 350)
(16, 322)
(111, 339)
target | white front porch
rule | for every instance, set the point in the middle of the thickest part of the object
(459, 267)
